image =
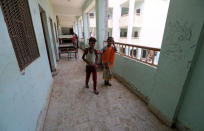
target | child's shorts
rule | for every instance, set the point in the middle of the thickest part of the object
(90, 68)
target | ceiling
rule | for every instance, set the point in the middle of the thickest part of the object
(68, 10)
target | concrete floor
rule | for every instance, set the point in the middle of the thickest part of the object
(75, 108)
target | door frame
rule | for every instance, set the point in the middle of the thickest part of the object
(47, 39)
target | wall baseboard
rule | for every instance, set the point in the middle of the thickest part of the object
(160, 115)
(43, 114)
(181, 127)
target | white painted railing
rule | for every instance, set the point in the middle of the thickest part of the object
(147, 55)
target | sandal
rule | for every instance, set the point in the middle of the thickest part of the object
(86, 86)
(96, 92)
(108, 84)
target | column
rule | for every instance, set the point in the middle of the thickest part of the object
(79, 33)
(130, 20)
(73, 29)
(79, 29)
(76, 29)
(101, 22)
(116, 19)
(86, 29)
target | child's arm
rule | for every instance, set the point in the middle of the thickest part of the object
(114, 47)
(96, 53)
(104, 49)
(83, 57)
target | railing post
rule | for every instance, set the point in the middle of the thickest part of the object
(125, 51)
(132, 51)
(153, 57)
(141, 55)
(122, 51)
(136, 53)
(146, 56)
(128, 50)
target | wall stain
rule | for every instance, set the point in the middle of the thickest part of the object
(178, 38)
(182, 31)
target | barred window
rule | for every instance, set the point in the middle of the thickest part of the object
(20, 28)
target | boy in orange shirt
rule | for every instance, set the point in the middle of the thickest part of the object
(108, 58)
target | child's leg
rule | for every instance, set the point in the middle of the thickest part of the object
(94, 79)
(88, 73)
(95, 82)
(87, 77)
(105, 73)
(105, 82)
(109, 76)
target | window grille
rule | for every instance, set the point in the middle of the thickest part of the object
(20, 28)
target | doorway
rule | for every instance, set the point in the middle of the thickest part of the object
(47, 39)
(53, 38)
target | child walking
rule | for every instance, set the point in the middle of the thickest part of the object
(90, 57)
(108, 58)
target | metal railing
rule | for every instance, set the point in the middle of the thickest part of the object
(147, 55)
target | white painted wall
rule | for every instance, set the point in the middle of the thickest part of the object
(154, 19)
(139, 5)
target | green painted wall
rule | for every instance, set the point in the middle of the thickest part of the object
(183, 27)
(23, 94)
(166, 85)
(137, 74)
(192, 109)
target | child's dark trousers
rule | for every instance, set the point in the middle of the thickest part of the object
(89, 70)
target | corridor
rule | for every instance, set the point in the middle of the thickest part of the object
(75, 108)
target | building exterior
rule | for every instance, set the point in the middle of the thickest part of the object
(141, 22)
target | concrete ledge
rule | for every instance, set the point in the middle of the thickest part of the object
(131, 87)
(160, 115)
(181, 127)
(43, 114)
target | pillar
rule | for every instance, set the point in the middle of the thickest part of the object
(130, 20)
(101, 22)
(76, 29)
(116, 18)
(86, 29)
(79, 29)
(73, 28)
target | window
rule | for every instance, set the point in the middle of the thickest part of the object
(123, 32)
(110, 13)
(138, 12)
(124, 11)
(110, 32)
(135, 34)
(91, 15)
(20, 28)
